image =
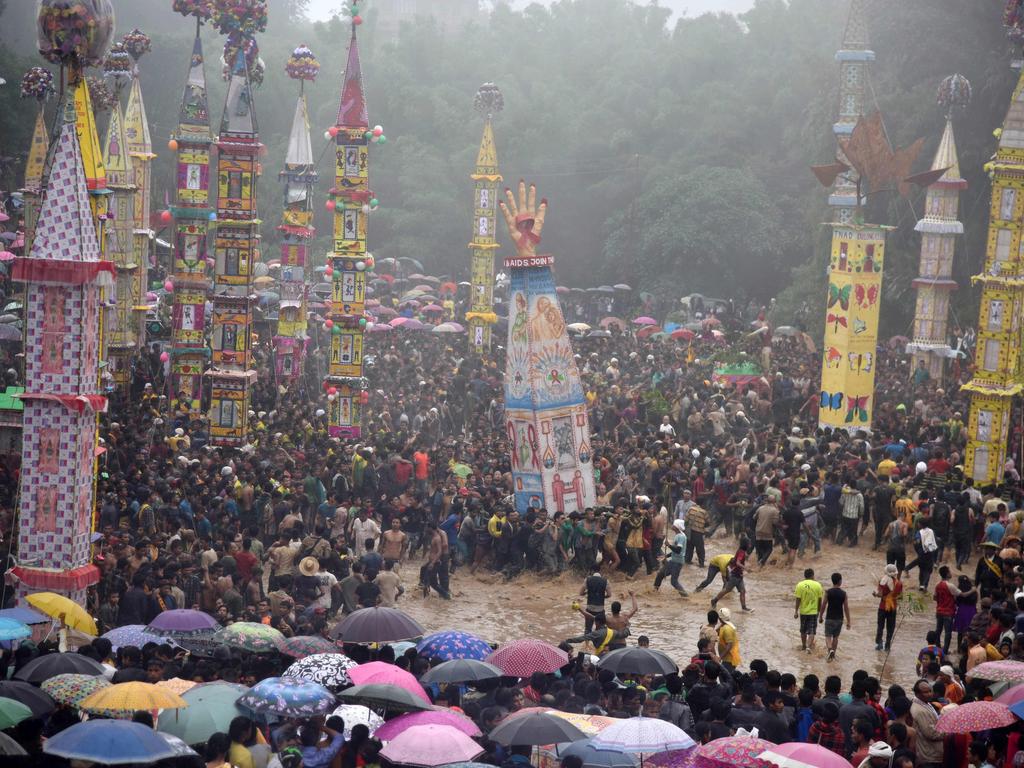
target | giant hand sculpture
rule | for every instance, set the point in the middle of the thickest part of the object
(525, 220)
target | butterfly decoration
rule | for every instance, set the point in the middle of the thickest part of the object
(857, 408)
(838, 295)
(859, 326)
(831, 402)
(865, 296)
(860, 362)
(836, 321)
(833, 357)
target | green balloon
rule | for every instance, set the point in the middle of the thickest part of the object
(382, 139)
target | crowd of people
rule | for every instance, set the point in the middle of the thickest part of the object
(296, 530)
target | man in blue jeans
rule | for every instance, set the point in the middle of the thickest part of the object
(672, 566)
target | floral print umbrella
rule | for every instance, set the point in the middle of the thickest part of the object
(288, 697)
(327, 669)
(301, 646)
(740, 751)
(357, 714)
(975, 716)
(453, 645)
(250, 636)
(133, 634)
(71, 688)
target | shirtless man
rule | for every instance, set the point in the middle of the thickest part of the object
(434, 572)
(394, 542)
(617, 621)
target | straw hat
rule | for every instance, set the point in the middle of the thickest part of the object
(309, 566)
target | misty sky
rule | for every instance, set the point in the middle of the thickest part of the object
(321, 9)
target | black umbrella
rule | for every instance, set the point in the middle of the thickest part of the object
(534, 729)
(8, 236)
(53, 664)
(391, 698)
(593, 757)
(637, 661)
(376, 625)
(461, 671)
(29, 695)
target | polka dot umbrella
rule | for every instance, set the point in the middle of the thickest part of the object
(975, 716)
(521, 658)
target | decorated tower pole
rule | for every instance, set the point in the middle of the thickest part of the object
(231, 376)
(192, 214)
(299, 176)
(488, 102)
(351, 201)
(939, 229)
(997, 357)
(121, 337)
(140, 150)
(63, 274)
(92, 156)
(545, 412)
(854, 58)
(37, 83)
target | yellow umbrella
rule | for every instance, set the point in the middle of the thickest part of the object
(265, 280)
(64, 609)
(177, 685)
(132, 696)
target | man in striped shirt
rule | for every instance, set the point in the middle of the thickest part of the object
(696, 525)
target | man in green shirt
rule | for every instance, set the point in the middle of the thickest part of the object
(808, 595)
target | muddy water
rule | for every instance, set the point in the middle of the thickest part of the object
(531, 606)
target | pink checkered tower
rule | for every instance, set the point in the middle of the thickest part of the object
(63, 274)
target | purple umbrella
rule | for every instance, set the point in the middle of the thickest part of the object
(392, 728)
(182, 622)
(133, 634)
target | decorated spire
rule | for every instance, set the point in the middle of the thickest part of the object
(85, 124)
(194, 113)
(37, 83)
(239, 115)
(352, 112)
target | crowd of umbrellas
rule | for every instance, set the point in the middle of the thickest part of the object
(389, 701)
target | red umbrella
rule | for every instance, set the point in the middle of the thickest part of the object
(682, 333)
(647, 330)
(448, 287)
(975, 716)
(729, 751)
(433, 308)
(644, 320)
(613, 321)
(521, 658)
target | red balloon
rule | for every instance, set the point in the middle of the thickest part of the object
(332, 391)
(330, 205)
(357, 20)
(165, 216)
(328, 323)
(333, 131)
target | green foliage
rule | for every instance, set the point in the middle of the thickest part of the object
(675, 156)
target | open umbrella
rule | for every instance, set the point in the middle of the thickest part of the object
(59, 607)
(622, 287)
(798, 755)
(9, 746)
(131, 697)
(452, 644)
(643, 734)
(786, 330)
(402, 723)
(177, 685)
(133, 634)
(331, 670)
(433, 308)
(181, 749)
(521, 658)
(389, 698)
(999, 671)
(534, 727)
(644, 320)
(380, 673)
(9, 333)
(599, 335)
(578, 327)
(648, 330)
(211, 708)
(460, 671)
(357, 714)
(27, 694)
(109, 742)
(975, 716)
(377, 625)
(597, 758)
(301, 646)
(44, 667)
(676, 758)
(610, 321)
(682, 334)
(589, 724)
(182, 622)
(288, 698)
(445, 328)
(9, 628)
(70, 689)
(638, 661)
(729, 751)
(430, 745)
(1011, 696)
(250, 636)
(12, 712)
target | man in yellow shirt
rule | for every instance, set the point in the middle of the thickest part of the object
(728, 640)
(905, 508)
(808, 595)
(719, 564)
(886, 466)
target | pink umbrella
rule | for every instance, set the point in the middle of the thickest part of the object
(999, 672)
(398, 322)
(380, 328)
(644, 320)
(424, 287)
(521, 658)
(7, 256)
(372, 303)
(412, 325)
(379, 673)
(1011, 696)
(433, 308)
(799, 755)
(385, 312)
(975, 716)
(431, 745)
(401, 724)
(739, 751)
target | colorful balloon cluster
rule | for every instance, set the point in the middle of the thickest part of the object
(247, 17)
(1013, 19)
(201, 9)
(137, 43)
(103, 99)
(954, 91)
(488, 100)
(74, 32)
(118, 62)
(302, 65)
(375, 135)
(37, 83)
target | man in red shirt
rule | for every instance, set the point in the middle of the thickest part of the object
(403, 472)
(946, 594)
(246, 560)
(421, 470)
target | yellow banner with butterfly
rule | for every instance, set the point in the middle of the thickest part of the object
(851, 326)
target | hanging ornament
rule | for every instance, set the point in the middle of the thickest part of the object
(201, 9)
(103, 99)
(954, 91)
(488, 100)
(302, 64)
(37, 83)
(118, 63)
(137, 43)
(249, 17)
(74, 33)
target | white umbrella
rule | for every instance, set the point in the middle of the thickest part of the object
(357, 714)
(642, 734)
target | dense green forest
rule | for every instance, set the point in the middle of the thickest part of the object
(675, 155)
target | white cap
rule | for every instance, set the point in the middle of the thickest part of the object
(179, 431)
(695, 453)
(320, 412)
(796, 430)
(226, 471)
(921, 468)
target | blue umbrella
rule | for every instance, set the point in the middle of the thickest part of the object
(288, 697)
(450, 645)
(109, 742)
(134, 634)
(13, 630)
(596, 758)
(25, 615)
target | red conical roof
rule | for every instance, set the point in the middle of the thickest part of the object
(352, 113)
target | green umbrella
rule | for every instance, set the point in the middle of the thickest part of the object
(461, 470)
(250, 636)
(12, 712)
(211, 708)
